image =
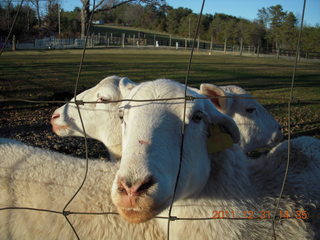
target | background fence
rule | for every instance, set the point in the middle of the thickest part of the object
(147, 40)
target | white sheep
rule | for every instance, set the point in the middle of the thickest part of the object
(100, 120)
(37, 178)
(145, 182)
(257, 127)
(304, 158)
(34, 177)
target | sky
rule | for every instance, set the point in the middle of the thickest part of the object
(246, 8)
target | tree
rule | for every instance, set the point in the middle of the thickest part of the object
(310, 39)
(36, 4)
(8, 5)
(51, 18)
(105, 5)
(70, 23)
(263, 16)
(289, 31)
(224, 29)
(256, 34)
(216, 28)
(277, 16)
(187, 25)
(280, 25)
(131, 15)
(26, 20)
(174, 18)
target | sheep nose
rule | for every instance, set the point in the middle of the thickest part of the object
(128, 188)
(55, 116)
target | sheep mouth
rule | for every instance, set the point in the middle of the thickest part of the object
(142, 213)
(135, 215)
(59, 130)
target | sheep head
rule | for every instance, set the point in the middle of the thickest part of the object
(101, 120)
(145, 182)
(257, 126)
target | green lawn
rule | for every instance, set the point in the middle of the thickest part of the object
(40, 74)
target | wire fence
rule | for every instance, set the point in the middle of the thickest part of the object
(64, 212)
(112, 41)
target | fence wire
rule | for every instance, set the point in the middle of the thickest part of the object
(184, 119)
(186, 98)
(289, 123)
(81, 120)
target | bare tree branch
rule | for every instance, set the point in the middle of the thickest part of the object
(114, 6)
(103, 6)
(99, 4)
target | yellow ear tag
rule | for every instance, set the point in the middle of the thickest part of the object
(218, 140)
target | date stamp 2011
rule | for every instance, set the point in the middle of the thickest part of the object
(263, 214)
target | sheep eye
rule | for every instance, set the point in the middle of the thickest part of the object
(102, 99)
(121, 115)
(197, 117)
(250, 110)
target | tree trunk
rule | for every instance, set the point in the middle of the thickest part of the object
(278, 49)
(225, 46)
(84, 17)
(38, 13)
(241, 46)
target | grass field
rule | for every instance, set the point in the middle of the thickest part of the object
(40, 75)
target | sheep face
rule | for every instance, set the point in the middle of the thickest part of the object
(145, 182)
(257, 127)
(99, 119)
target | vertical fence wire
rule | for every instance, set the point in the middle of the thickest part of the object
(184, 118)
(289, 123)
(82, 123)
(77, 103)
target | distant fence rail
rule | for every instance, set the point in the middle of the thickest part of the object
(123, 40)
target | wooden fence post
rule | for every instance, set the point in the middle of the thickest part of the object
(198, 46)
(14, 46)
(123, 37)
(211, 45)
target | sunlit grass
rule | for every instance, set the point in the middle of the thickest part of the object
(40, 74)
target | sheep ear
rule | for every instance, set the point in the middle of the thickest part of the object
(223, 131)
(221, 102)
(125, 85)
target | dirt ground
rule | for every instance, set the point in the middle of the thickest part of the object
(32, 126)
